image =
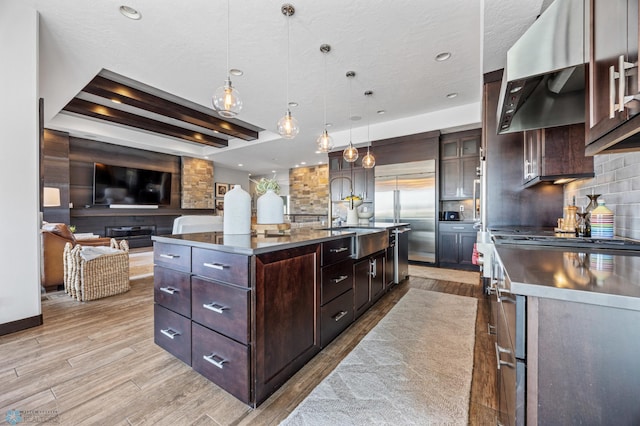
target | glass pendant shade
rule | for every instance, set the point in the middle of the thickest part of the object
(350, 154)
(368, 161)
(288, 126)
(324, 142)
(226, 100)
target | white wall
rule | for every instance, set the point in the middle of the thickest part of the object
(231, 176)
(19, 164)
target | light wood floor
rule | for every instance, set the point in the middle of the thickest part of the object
(96, 363)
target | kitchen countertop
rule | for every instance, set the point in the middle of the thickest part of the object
(599, 277)
(374, 225)
(251, 244)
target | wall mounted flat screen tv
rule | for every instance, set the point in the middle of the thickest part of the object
(127, 185)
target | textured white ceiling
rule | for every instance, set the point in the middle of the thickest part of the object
(181, 48)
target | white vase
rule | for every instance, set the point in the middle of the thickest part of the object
(237, 211)
(270, 208)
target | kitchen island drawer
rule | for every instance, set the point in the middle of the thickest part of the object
(336, 316)
(221, 360)
(172, 332)
(336, 279)
(221, 307)
(226, 267)
(172, 289)
(336, 250)
(173, 256)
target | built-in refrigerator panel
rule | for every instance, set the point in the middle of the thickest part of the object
(406, 193)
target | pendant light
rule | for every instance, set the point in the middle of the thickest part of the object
(226, 99)
(324, 141)
(368, 161)
(287, 125)
(350, 154)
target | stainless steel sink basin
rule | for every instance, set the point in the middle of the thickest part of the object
(367, 240)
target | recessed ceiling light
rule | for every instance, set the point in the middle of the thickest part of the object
(240, 165)
(206, 157)
(236, 72)
(297, 165)
(443, 56)
(320, 162)
(273, 171)
(318, 152)
(303, 162)
(381, 111)
(130, 12)
(451, 95)
(293, 104)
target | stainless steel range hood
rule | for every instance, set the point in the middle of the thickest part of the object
(544, 80)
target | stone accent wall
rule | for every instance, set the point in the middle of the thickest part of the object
(309, 189)
(618, 181)
(197, 184)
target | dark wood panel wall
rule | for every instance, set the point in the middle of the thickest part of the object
(55, 173)
(508, 202)
(84, 152)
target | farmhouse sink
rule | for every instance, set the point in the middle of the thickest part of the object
(367, 241)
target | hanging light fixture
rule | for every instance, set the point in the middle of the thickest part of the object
(287, 125)
(350, 154)
(324, 141)
(368, 161)
(226, 99)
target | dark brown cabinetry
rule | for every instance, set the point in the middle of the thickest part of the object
(555, 153)
(455, 245)
(613, 120)
(460, 158)
(369, 281)
(362, 179)
(337, 289)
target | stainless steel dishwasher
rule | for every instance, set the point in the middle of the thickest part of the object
(401, 254)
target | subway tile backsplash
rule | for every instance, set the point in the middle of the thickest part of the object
(617, 178)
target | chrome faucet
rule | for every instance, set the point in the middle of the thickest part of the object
(330, 207)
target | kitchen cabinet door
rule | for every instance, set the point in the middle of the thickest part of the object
(377, 276)
(466, 241)
(614, 38)
(448, 247)
(450, 179)
(468, 173)
(362, 290)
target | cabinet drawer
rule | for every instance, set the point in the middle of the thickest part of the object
(221, 266)
(457, 227)
(172, 256)
(335, 317)
(221, 360)
(336, 279)
(172, 289)
(221, 307)
(336, 250)
(172, 332)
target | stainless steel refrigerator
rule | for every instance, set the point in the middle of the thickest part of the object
(407, 193)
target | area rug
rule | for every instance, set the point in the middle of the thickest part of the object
(413, 368)
(444, 274)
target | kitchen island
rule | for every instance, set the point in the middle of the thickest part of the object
(566, 320)
(247, 312)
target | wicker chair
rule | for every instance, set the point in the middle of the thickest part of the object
(94, 272)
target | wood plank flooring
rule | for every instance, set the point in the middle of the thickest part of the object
(96, 363)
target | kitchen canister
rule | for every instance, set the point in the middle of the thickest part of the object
(601, 221)
(270, 208)
(237, 211)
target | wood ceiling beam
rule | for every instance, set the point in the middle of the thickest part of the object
(128, 95)
(114, 115)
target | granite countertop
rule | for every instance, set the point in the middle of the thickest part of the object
(374, 225)
(251, 244)
(599, 277)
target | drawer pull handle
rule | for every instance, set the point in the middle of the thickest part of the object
(215, 307)
(338, 250)
(339, 315)
(212, 359)
(501, 350)
(458, 227)
(219, 266)
(169, 290)
(340, 279)
(169, 256)
(171, 334)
